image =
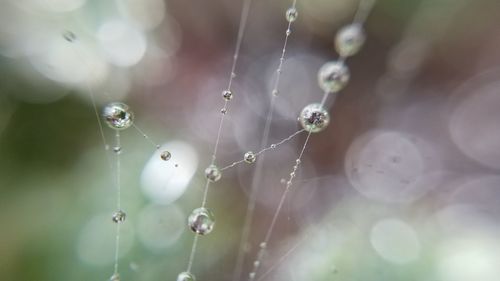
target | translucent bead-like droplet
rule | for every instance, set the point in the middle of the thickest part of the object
(115, 277)
(227, 95)
(165, 155)
(117, 149)
(249, 157)
(201, 221)
(212, 173)
(118, 115)
(119, 216)
(263, 245)
(333, 76)
(291, 14)
(349, 40)
(185, 276)
(314, 118)
(69, 36)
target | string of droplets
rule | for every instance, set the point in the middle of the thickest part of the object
(333, 76)
(201, 220)
(291, 15)
(117, 116)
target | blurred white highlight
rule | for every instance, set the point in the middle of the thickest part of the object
(121, 42)
(163, 182)
(395, 241)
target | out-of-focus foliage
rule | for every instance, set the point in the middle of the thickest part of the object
(402, 185)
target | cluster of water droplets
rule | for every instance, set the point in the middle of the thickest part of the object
(333, 76)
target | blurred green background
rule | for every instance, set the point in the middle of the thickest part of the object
(403, 185)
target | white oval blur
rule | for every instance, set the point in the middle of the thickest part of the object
(386, 166)
(163, 182)
(474, 121)
(122, 44)
(395, 241)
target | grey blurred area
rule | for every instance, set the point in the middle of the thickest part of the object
(402, 185)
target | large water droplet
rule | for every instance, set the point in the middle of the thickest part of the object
(118, 115)
(201, 221)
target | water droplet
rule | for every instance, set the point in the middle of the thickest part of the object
(223, 111)
(227, 95)
(288, 32)
(263, 245)
(291, 14)
(158, 146)
(292, 175)
(275, 92)
(176, 165)
(314, 118)
(117, 149)
(201, 221)
(118, 115)
(115, 277)
(165, 155)
(69, 36)
(333, 76)
(282, 181)
(212, 173)
(349, 40)
(256, 263)
(249, 157)
(251, 275)
(297, 161)
(119, 216)
(185, 276)
(273, 145)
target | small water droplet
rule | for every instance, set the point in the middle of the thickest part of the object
(263, 245)
(333, 76)
(119, 216)
(227, 95)
(291, 14)
(251, 275)
(349, 40)
(118, 115)
(165, 155)
(249, 157)
(185, 276)
(223, 111)
(212, 173)
(117, 149)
